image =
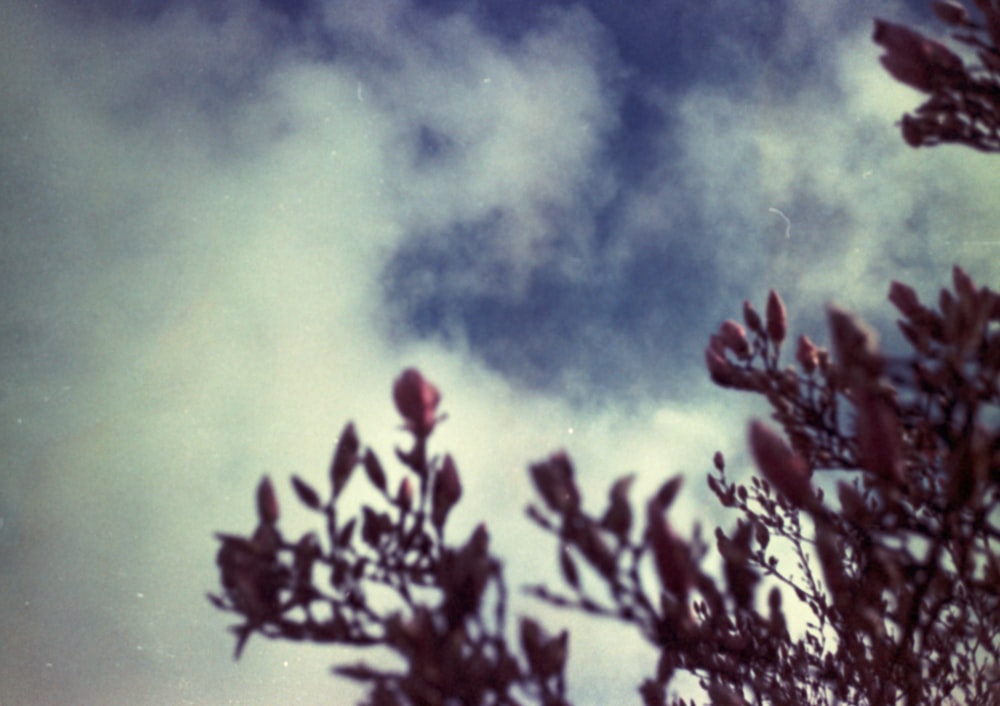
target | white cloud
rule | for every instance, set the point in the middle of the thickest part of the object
(205, 218)
(518, 126)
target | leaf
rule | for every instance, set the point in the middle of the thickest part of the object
(617, 518)
(359, 671)
(373, 469)
(371, 527)
(308, 496)
(267, 502)
(763, 536)
(346, 533)
(668, 491)
(243, 633)
(345, 456)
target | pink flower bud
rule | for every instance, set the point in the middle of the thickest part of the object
(905, 299)
(751, 317)
(734, 337)
(854, 343)
(267, 502)
(720, 370)
(951, 12)
(807, 354)
(777, 318)
(417, 401)
(784, 468)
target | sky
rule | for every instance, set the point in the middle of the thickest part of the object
(228, 225)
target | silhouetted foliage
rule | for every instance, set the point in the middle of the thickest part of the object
(875, 513)
(389, 578)
(964, 99)
(897, 570)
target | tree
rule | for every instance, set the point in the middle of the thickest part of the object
(964, 103)
(391, 579)
(879, 481)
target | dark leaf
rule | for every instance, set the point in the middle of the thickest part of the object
(668, 491)
(308, 496)
(373, 468)
(345, 456)
(346, 533)
(359, 672)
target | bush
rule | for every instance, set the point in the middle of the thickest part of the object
(898, 571)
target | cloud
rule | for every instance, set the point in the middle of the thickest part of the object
(191, 258)
(862, 207)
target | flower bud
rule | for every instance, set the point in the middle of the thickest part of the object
(807, 354)
(855, 344)
(720, 370)
(777, 318)
(751, 317)
(267, 502)
(784, 468)
(417, 401)
(734, 337)
(951, 12)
